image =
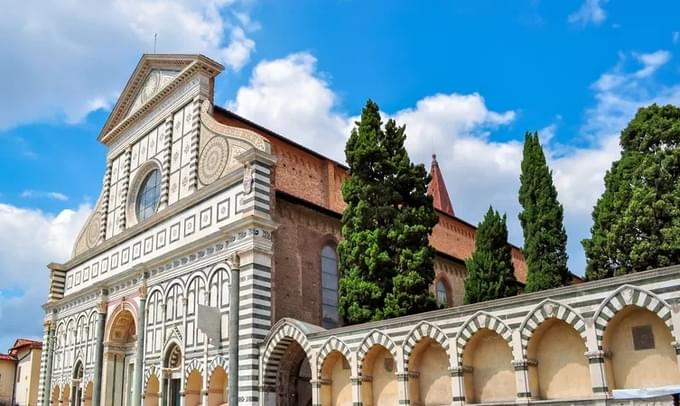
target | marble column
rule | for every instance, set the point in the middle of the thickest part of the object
(139, 356)
(402, 380)
(356, 389)
(99, 354)
(457, 385)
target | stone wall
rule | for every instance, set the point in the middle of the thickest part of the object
(570, 345)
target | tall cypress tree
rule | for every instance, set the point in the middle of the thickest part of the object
(386, 262)
(636, 221)
(545, 239)
(490, 271)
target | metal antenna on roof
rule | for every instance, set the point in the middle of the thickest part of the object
(155, 37)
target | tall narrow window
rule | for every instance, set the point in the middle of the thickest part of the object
(442, 294)
(329, 287)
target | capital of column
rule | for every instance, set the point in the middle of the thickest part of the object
(403, 376)
(520, 364)
(356, 380)
(102, 307)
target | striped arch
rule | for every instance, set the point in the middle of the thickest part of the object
(153, 370)
(422, 330)
(157, 289)
(190, 366)
(373, 338)
(178, 282)
(280, 337)
(332, 344)
(218, 361)
(477, 322)
(197, 275)
(550, 309)
(628, 295)
(216, 269)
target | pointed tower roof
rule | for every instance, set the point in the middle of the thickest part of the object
(437, 189)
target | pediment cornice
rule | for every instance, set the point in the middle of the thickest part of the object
(128, 107)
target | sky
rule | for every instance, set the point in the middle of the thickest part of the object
(467, 78)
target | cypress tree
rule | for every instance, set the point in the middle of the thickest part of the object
(490, 271)
(545, 239)
(386, 262)
(636, 221)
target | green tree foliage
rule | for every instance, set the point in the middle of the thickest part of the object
(545, 239)
(636, 221)
(386, 262)
(490, 271)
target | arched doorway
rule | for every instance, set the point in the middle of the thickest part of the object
(152, 391)
(640, 354)
(218, 393)
(119, 358)
(488, 375)
(192, 391)
(77, 379)
(294, 377)
(379, 386)
(336, 386)
(172, 362)
(429, 378)
(560, 368)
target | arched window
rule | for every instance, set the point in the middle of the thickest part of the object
(329, 288)
(442, 293)
(149, 196)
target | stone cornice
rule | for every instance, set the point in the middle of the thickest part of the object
(187, 64)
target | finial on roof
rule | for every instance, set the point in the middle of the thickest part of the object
(437, 189)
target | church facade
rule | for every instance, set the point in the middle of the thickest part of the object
(215, 236)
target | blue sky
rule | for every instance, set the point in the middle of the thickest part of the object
(467, 78)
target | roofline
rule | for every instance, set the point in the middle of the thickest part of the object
(279, 136)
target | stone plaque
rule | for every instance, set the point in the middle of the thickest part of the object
(643, 338)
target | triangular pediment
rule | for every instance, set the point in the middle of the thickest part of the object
(154, 74)
(155, 81)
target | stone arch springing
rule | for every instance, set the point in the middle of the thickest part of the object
(424, 329)
(628, 295)
(332, 344)
(217, 362)
(276, 345)
(550, 309)
(372, 339)
(217, 269)
(477, 322)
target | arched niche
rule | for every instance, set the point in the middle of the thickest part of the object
(194, 386)
(218, 393)
(429, 377)
(558, 367)
(378, 372)
(336, 386)
(638, 350)
(151, 394)
(488, 374)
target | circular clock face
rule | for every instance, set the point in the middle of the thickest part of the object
(151, 86)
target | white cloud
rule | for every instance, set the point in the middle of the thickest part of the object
(29, 240)
(40, 194)
(73, 57)
(291, 97)
(591, 11)
(676, 37)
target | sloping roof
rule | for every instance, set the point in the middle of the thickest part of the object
(437, 189)
(7, 357)
(22, 343)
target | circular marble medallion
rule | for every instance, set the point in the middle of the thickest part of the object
(213, 160)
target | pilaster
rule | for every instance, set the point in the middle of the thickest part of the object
(194, 143)
(106, 193)
(124, 185)
(165, 162)
(457, 385)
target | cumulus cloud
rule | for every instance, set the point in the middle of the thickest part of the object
(29, 240)
(73, 57)
(590, 12)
